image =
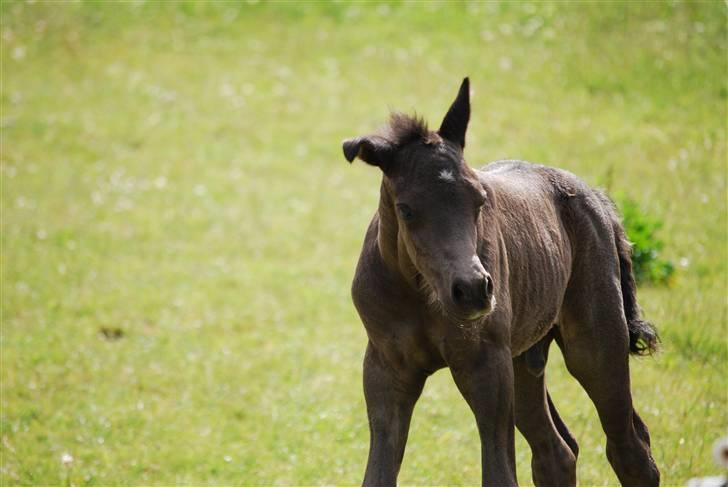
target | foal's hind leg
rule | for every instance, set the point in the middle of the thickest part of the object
(553, 460)
(536, 358)
(595, 344)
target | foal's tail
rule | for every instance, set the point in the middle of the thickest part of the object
(643, 338)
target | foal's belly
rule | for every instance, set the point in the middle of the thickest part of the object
(530, 329)
(537, 285)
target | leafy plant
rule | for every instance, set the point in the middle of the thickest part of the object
(642, 230)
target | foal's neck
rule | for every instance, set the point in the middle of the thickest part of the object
(391, 248)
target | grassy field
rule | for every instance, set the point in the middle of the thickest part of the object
(180, 228)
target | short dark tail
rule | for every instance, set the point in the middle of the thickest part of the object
(643, 337)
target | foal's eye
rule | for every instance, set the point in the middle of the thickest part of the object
(405, 212)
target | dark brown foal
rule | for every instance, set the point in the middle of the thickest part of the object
(479, 271)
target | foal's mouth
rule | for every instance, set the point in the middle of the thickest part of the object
(475, 315)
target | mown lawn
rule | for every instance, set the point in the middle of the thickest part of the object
(180, 228)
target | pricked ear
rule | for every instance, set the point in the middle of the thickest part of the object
(372, 149)
(455, 123)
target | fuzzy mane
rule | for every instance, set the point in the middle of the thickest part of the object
(403, 129)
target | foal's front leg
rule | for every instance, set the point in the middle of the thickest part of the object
(485, 380)
(391, 394)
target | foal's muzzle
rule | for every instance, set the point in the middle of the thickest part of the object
(474, 295)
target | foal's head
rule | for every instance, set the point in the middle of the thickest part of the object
(437, 201)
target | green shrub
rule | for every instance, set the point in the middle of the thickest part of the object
(647, 264)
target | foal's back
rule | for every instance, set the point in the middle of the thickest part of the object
(548, 203)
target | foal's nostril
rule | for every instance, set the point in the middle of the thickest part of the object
(488, 287)
(474, 293)
(458, 292)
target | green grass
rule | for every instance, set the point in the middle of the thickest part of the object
(174, 172)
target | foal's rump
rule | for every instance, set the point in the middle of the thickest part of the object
(603, 263)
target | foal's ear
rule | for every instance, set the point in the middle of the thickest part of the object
(455, 123)
(372, 149)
